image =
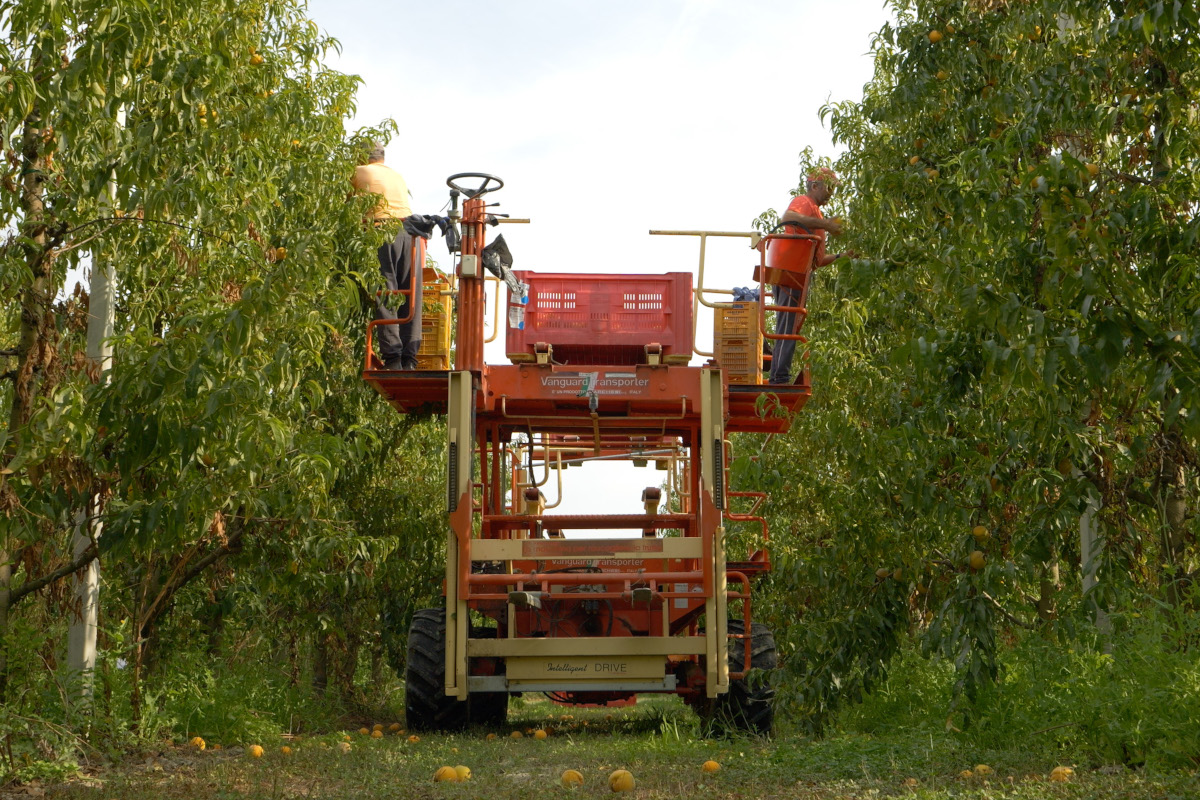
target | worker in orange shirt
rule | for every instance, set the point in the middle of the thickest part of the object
(803, 215)
(398, 344)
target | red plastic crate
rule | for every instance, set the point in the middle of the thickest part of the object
(605, 319)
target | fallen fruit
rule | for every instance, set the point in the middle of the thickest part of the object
(363, 731)
(395, 726)
(378, 726)
(539, 734)
(966, 773)
(983, 769)
(1061, 774)
(911, 782)
(490, 736)
(710, 766)
(414, 739)
(344, 747)
(516, 735)
(376, 734)
(621, 780)
(285, 750)
(446, 775)
(572, 779)
(197, 743)
(255, 751)
(463, 773)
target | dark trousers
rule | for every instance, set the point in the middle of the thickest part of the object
(785, 322)
(398, 344)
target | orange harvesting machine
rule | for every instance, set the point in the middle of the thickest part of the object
(591, 609)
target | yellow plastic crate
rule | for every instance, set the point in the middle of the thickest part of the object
(435, 323)
(737, 343)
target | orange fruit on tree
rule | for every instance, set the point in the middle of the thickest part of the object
(977, 560)
(914, 160)
(882, 573)
(981, 534)
(935, 36)
(621, 780)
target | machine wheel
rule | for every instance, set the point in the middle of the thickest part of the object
(748, 706)
(489, 709)
(426, 706)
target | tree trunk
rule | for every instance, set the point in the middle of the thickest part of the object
(1172, 500)
(320, 678)
(1047, 606)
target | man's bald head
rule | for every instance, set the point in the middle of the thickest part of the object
(374, 152)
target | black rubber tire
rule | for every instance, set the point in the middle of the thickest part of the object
(749, 705)
(488, 709)
(426, 706)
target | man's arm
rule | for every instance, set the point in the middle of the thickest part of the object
(822, 223)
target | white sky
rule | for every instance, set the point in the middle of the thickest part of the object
(606, 120)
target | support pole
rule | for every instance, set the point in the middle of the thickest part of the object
(81, 637)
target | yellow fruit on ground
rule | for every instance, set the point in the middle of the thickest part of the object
(516, 735)
(255, 751)
(216, 747)
(395, 726)
(453, 749)
(197, 743)
(376, 734)
(463, 773)
(572, 779)
(378, 726)
(710, 766)
(285, 750)
(344, 747)
(490, 736)
(983, 769)
(539, 734)
(1061, 774)
(345, 737)
(981, 533)
(977, 560)
(621, 780)
(445, 775)
(414, 739)
(966, 773)
(935, 36)
(363, 731)
(911, 782)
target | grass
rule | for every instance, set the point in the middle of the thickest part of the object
(658, 741)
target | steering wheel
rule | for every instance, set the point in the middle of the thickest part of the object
(484, 187)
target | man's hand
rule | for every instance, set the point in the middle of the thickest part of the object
(833, 225)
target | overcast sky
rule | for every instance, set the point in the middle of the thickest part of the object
(606, 120)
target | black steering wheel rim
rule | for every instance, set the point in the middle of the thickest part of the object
(484, 187)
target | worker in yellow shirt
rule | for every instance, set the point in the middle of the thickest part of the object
(398, 344)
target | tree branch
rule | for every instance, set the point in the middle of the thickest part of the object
(1007, 615)
(29, 587)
